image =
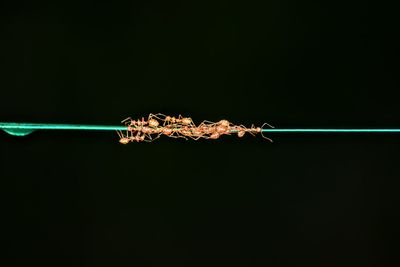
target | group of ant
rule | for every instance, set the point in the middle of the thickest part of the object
(179, 127)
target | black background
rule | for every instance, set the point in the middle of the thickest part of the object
(82, 199)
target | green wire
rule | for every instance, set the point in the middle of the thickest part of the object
(22, 129)
(331, 130)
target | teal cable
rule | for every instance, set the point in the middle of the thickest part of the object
(330, 130)
(22, 129)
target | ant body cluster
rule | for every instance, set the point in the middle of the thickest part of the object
(179, 127)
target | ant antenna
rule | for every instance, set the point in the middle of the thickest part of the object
(262, 130)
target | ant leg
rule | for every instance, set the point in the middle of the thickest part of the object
(120, 134)
(158, 136)
(129, 118)
(173, 136)
(148, 138)
(192, 124)
(251, 130)
(177, 134)
(197, 137)
(157, 116)
(151, 137)
(240, 130)
(241, 127)
(206, 122)
(127, 133)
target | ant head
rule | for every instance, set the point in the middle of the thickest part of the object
(214, 135)
(241, 133)
(186, 121)
(124, 140)
(153, 123)
(224, 123)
